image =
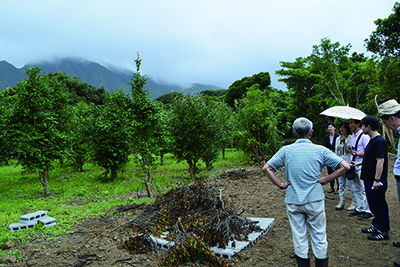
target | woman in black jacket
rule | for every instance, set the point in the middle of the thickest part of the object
(330, 140)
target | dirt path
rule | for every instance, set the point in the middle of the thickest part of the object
(90, 242)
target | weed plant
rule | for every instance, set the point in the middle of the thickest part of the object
(82, 195)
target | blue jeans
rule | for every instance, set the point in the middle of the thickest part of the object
(378, 206)
(398, 189)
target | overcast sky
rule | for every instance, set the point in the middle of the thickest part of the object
(184, 41)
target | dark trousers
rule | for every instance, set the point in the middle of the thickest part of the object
(378, 206)
(332, 183)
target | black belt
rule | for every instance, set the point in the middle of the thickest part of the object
(397, 177)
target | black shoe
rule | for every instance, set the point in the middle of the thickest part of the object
(337, 191)
(301, 262)
(371, 230)
(396, 244)
(366, 216)
(331, 190)
(396, 263)
(379, 236)
(321, 262)
(356, 213)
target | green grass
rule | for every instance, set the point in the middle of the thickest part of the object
(75, 196)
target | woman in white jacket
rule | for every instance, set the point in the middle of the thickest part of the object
(341, 150)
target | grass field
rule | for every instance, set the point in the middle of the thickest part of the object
(78, 195)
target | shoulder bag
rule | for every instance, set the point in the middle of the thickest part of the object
(350, 174)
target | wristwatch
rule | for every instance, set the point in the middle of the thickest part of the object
(377, 180)
(281, 186)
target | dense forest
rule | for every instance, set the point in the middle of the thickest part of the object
(51, 117)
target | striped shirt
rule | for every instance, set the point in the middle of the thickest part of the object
(303, 162)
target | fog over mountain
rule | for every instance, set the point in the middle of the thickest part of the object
(110, 77)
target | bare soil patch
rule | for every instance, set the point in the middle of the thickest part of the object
(91, 244)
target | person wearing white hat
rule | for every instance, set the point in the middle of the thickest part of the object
(389, 113)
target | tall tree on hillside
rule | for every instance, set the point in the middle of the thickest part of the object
(326, 78)
(238, 88)
(329, 60)
(300, 82)
(147, 131)
(384, 42)
(80, 91)
(35, 122)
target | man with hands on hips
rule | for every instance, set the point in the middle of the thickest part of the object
(303, 162)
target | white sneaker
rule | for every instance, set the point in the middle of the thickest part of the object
(340, 206)
(353, 206)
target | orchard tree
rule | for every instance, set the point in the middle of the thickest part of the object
(111, 133)
(147, 134)
(224, 127)
(35, 121)
(80, 135)
(194, 128)
(7, 150)
(256, 125)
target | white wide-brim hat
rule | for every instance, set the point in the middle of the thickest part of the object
(388, 108)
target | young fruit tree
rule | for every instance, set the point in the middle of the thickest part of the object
(147, 135)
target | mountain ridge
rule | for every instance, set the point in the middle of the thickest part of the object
(111, 78)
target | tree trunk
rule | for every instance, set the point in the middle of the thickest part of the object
(192, 169)
(147, 177)
(113, 174)
(44, 175)
(146, 182)
(223, 153)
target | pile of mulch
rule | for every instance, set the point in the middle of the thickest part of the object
(198, 209)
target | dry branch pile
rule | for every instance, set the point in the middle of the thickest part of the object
(198, 209)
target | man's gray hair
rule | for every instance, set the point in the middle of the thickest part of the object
(302, 127)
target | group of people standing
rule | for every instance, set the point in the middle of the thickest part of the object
(350, 145)
(359, 145)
